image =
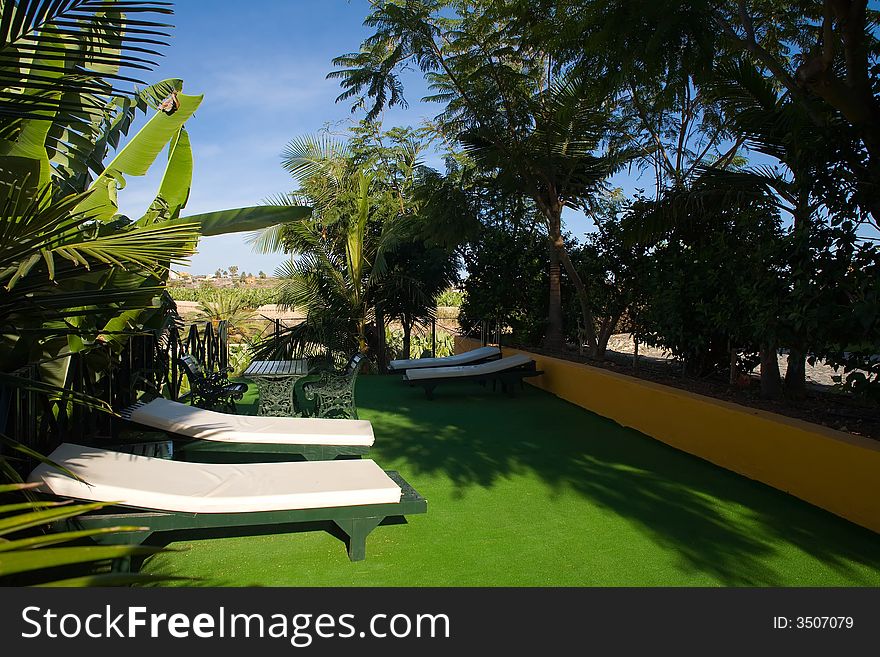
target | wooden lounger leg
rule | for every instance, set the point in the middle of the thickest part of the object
(506, 385)
(123, 564)
(429, 390)
(357, 530)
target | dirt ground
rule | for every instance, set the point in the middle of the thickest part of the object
(823, 403)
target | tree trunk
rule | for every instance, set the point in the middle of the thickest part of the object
(554, 339)
(606, 330)
(796, 374)
(734, 367)
(771, 382)
(802, 267)
(381, 353)
(583, 299)
(407, 333)
(362, 336)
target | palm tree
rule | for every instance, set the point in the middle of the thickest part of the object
(554, 162)
(361, 195)
(336, 268)
(231, 308)
(508, 103)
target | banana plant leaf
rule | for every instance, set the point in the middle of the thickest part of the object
(27, 151)
(136, 157)
(176, 182)
(244, 219)
(88, 134)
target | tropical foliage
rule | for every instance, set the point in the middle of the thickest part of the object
(360, 259)
(753, 123)
(78, 277)
(543, 130)
(420, 345)
(232, 309)
(247, 297)
(450, 298)
(34, 558)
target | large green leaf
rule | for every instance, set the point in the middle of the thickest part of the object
(113, 579)
(136, 157)
(82, 139)
(176, 182)
(178, 174)
(44, 540)
(36, 518)
(244, 219)
(12, 563)
(82, 46)
(26, 151)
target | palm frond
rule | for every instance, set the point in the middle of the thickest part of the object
(52, 48)
(312, 155)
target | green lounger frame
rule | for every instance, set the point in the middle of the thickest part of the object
(355, 521)
(439, 362)
(510, 380)
(206, 451)
(196, 450)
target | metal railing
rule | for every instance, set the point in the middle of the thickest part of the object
(70, 405)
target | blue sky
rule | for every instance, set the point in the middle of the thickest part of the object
(262, 67)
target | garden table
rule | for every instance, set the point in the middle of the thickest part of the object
(275, 380)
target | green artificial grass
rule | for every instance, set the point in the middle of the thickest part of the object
(534, 491)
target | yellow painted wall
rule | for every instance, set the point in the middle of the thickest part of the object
(831, 469)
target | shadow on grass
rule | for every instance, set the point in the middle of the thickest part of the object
(718, 522)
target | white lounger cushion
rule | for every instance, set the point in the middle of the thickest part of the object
(165, 485)
(517, 360)
(201, 424)
(458, 359)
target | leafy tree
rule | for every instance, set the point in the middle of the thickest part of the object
(613, 269)
(362, 245)
(416, 274)
(450, 297)
(516, 113)
(507, 282)
(715, 283)
(339, 251)
(821, 54)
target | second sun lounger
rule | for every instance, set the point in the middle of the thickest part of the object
(212, 436)
(509, 372)
(472, 357)
(163, 496)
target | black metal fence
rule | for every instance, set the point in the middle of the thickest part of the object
(68, 399)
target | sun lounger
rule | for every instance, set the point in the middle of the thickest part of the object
(509, 372)
(209, 435)
(173, 496)
(472, 357)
